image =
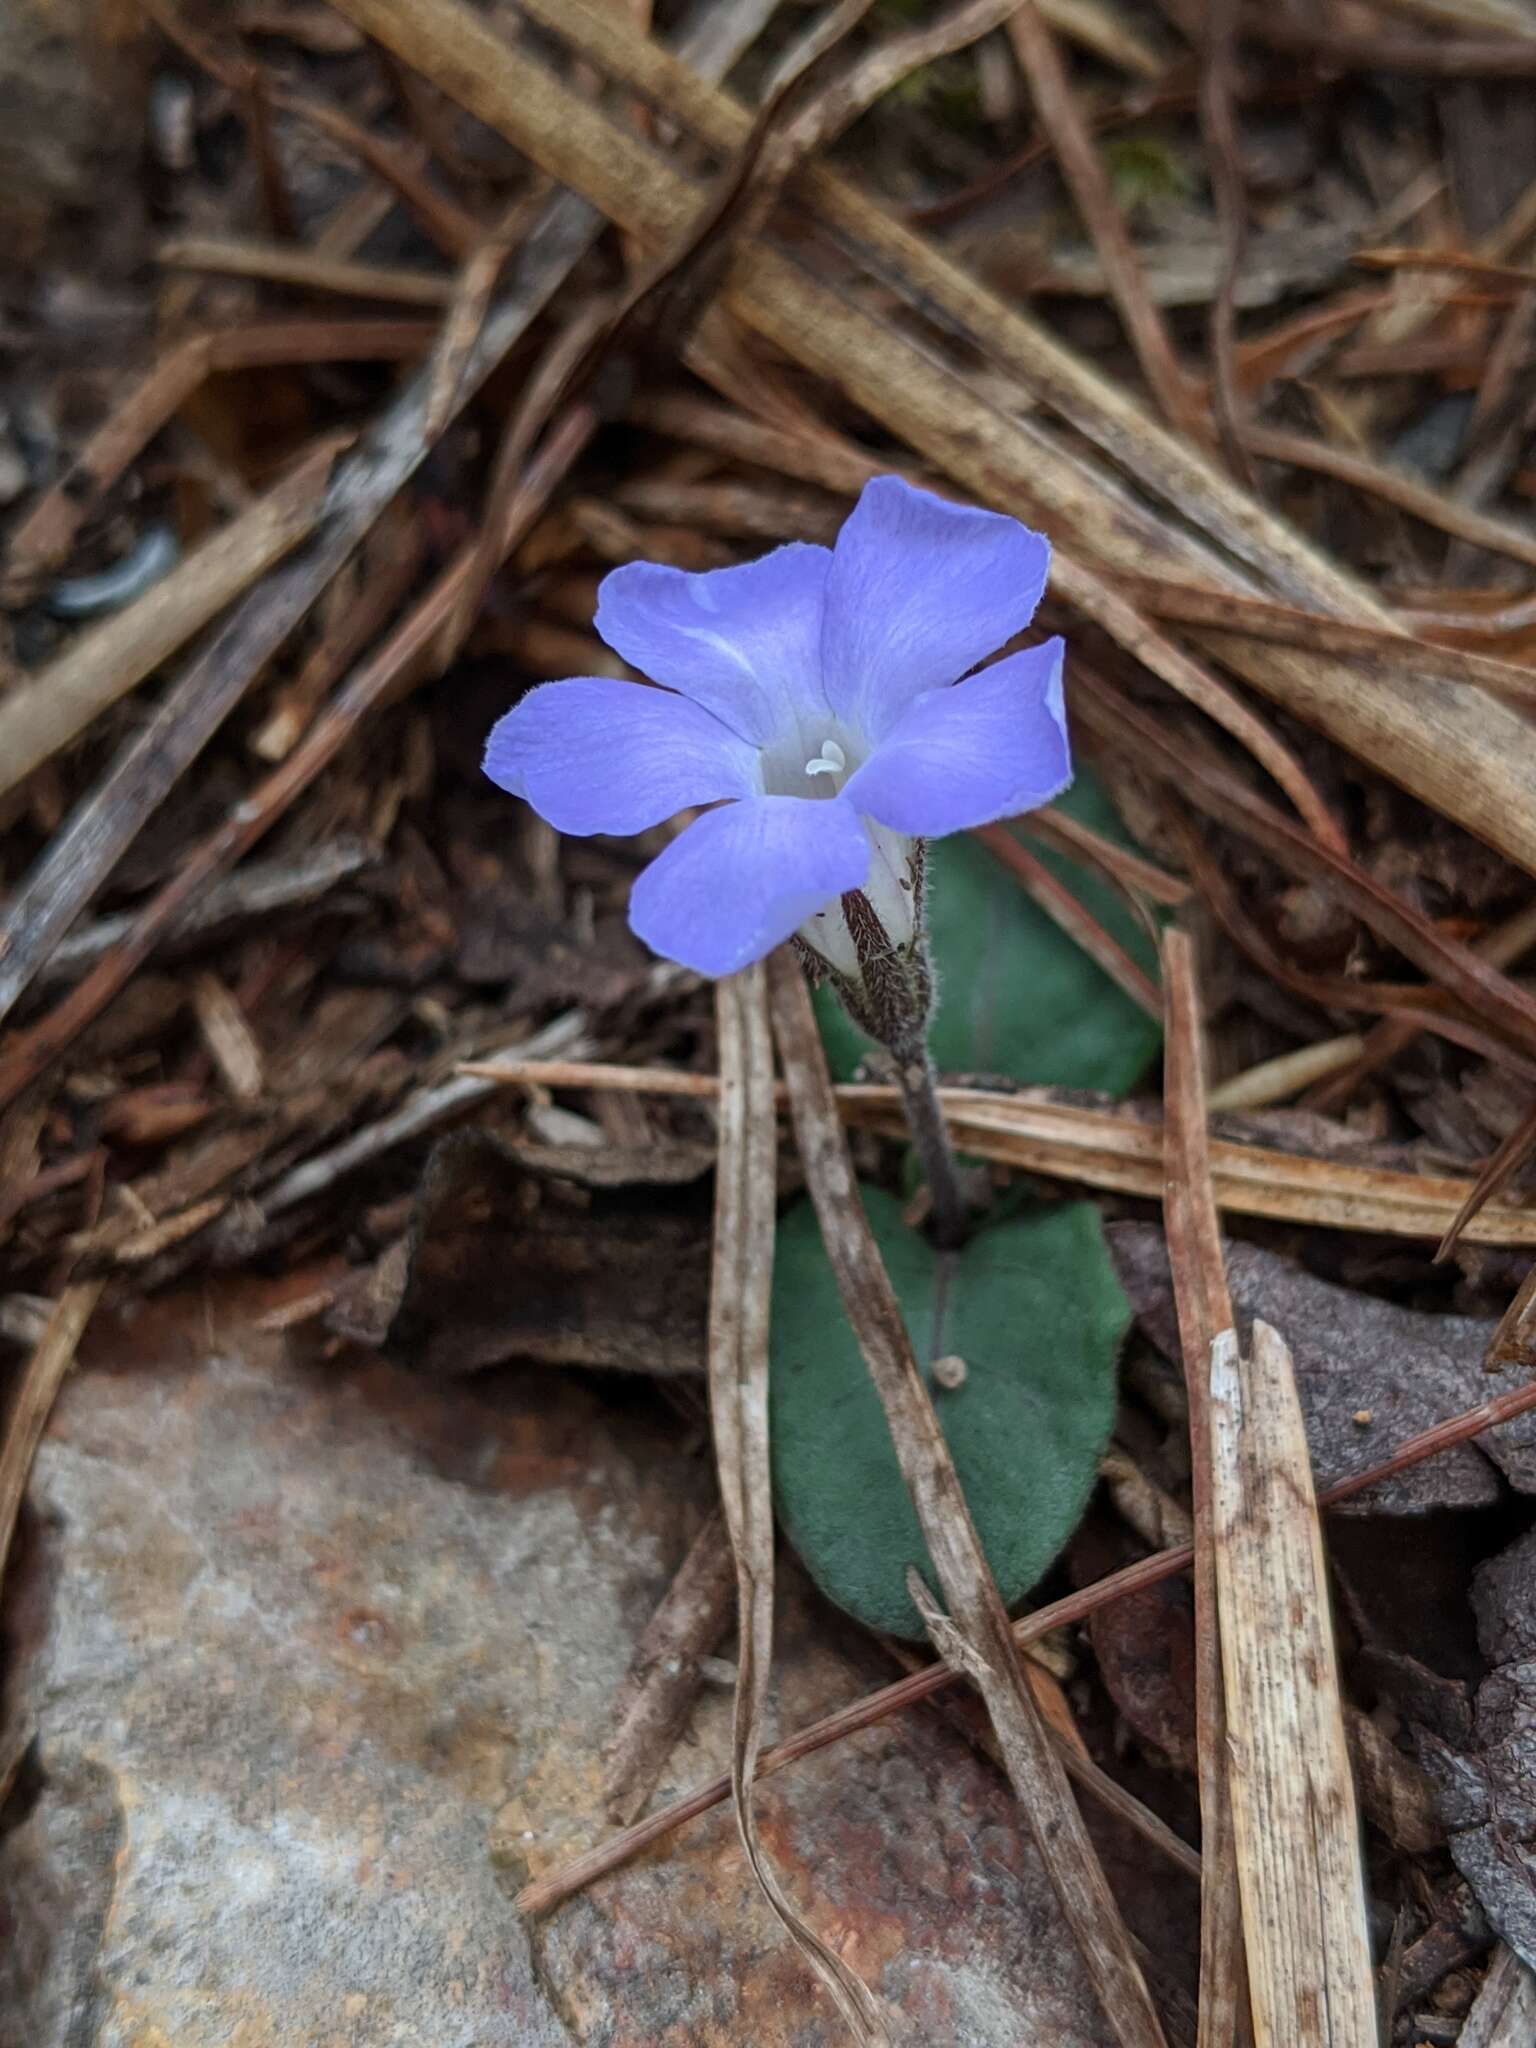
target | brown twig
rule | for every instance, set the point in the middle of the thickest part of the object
(1131, 872)
(282, 263)
(1391, 649)
(658, 1690)
(33, 1399)
(1433, 507)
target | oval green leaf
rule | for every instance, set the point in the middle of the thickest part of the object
(1033, 1307)
(1016, 995)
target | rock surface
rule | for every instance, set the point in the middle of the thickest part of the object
(319, 1659)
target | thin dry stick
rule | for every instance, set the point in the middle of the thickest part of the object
(1115, 1149)
(48, 710)
(658, 1689)
(1460, 260)
(1204, 1310)
(1218, 122)
(1131, 871)
(1474, 765)
(1502, 946)
(1390, 648)
(1293, 1798)
(740, 1288)
(977, 1626)
(560, 1883)
(36, 1391)
(281, 263)
(1270, 1081)
(1390, 485)
(1063, 909)
(1060, 116)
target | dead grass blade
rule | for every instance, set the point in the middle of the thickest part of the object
(1204, 1309)
(975, 1630)
(555, 1885)
(1293, 1799)
(1118, 1150)
(740, 1289)
(1391, 649)
(36, 1390)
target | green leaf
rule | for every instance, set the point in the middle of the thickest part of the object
(1033, 1307)
(1016, 995)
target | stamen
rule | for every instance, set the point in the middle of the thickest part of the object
(830, 761)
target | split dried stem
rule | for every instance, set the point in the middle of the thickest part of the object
(1204, 1309)
(1299, 1865)
(975, 1610)
(740, 1291)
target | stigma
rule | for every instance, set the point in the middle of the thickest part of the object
(830, 761)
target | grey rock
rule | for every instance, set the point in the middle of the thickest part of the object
(319, 1660)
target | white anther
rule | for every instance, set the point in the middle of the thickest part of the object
(830, 761)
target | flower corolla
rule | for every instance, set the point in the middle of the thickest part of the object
(821, 700)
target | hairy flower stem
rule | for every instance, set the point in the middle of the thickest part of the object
(950, 1212)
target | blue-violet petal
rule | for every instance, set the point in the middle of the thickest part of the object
(920, 591)
(596, 755)
(741, 879)
(743, 642)
(984, 749)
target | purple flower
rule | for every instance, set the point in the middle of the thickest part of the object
(813, 696)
